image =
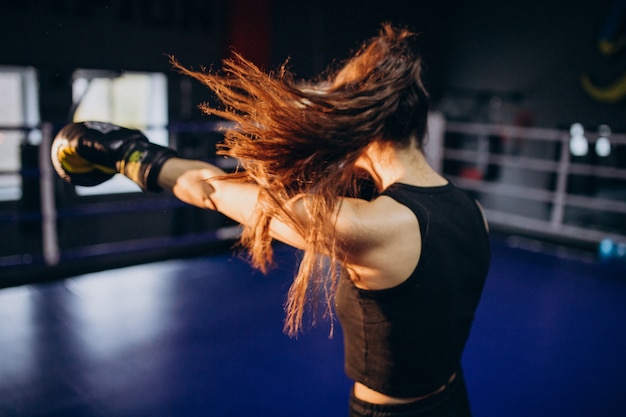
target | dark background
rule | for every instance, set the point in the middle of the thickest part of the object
(511, 62)
(179, 338)
(531, 54)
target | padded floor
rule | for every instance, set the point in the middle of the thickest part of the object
(203, 337)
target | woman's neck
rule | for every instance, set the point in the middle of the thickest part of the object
(388, 163)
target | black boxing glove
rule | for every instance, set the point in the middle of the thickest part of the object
(90, 153)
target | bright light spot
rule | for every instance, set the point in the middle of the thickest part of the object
(606, 247)
(578, 144)
(577, 130)
(603, 145)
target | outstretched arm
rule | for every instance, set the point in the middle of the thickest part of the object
(358, 223)
(202, 184)
(90, 153)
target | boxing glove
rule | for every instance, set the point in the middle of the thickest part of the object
(90, 153)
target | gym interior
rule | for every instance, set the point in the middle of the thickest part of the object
(115, 302)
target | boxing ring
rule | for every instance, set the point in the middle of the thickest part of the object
(159, 318)
(51, 229)
(530, 181)
(203, 336)
(527, 179)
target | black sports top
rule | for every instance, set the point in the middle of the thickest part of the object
(407, 341)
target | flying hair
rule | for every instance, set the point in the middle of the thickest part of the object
(301, 139)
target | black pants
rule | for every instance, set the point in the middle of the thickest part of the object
(451, 402)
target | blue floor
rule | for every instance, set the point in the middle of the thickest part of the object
(203, 337)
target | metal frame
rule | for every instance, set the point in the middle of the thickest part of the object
(559, 199)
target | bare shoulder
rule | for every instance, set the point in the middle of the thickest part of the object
(364, 220)
(384, 240)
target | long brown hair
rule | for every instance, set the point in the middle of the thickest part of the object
(296, 138)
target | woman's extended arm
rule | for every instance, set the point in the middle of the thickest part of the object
(198, 183)
(203, 185)
(365, 226)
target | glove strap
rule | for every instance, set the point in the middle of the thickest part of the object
(142, 163)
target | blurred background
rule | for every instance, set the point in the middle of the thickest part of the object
(117, 303)
(528, 111)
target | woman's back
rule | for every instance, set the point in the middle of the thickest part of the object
(406, 341)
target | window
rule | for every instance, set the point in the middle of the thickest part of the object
(131, 99)
(19, 118)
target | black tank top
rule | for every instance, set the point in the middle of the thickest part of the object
(406, 341)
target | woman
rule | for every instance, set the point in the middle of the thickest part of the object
(404, 270)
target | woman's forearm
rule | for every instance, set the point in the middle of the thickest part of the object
(188, 180)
